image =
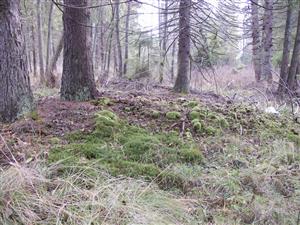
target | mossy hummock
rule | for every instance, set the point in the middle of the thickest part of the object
(123, 149)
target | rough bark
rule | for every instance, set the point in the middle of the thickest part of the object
(97, 60)
(267, 40)
(126, 38)
(118, 39)
(15, 93)
(51, 79)
(33, 51)
(286, 51)
(40, 40)
(26, 48)
(182, 80)
(164, 43)
(256, 44)
(49, 35)
(292, 85)
(77, 78)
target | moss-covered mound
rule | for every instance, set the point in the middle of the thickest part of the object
(123, 149)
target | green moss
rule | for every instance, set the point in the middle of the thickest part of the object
(173, 115)
(54, 140)
(212, 116)
(75, 136)
(170, 139)
(197, 125)
(140, 148)
(107, 113)
(191, 104)
(131, 169)
(223, 122)
(192, 155)
(170, 180)
(197, 109)
(107, 123)
(128, 150)
(154, 114)
(210, 130)
(294, 138)
(63, 154)
(102, 101)
(194, 115)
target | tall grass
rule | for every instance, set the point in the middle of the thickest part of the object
(38, 194)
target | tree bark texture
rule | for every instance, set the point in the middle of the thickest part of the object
(118, 39)
(77, 78)
(268, 40)
(15, 93)
(184, 43)
(49, 35)
(126, 38)
(286, 51)
(40, 40)
(256, 44)
(51, 79)
(164, 43)
(292, 85)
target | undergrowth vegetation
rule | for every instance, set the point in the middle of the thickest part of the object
(84, 195)
(123, 149)
(217, 165)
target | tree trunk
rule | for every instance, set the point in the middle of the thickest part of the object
(33, 51)
(98, 63)
(49, 35)
(292, 85)
(119, 47)
(77, 79)
(286, 51)
(15, 93)
(27, 48)
(40, 40)
(127, 38)
(109, 50)
(182, 80)
(116, 68)
(164, 43)
(173, 62)
(256, 53)
(51, 80)
(267, 40)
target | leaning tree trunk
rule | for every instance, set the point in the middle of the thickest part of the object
(126, 38)
(267, 40)
(295, 58)
(77, 78)
(256, 53)
(184, 42)
(286, 51)
(51, 79)
(15, 93)
(40, 40)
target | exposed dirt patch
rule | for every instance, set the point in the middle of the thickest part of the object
(53, 118)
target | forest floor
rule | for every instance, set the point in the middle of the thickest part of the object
(145, 155)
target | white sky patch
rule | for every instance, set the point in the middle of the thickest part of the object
(148, 15)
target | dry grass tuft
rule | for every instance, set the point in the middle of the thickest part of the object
(39, 195)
